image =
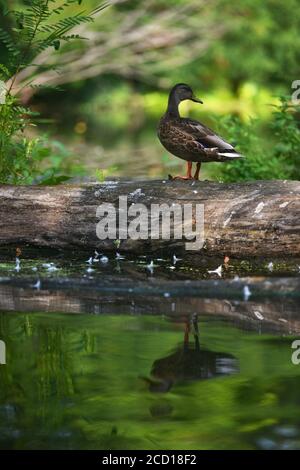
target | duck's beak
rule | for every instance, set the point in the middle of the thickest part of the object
(197, 100)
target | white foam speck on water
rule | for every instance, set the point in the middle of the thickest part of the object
(37, 285)
(167, 295)
(18, 263)
(259, 208)
(150, 266)
(247, 293)
(217, 271)
(52, 269)
(104, 259)
(270, 266)
(175, 259)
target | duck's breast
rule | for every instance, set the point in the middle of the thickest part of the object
(178, 142)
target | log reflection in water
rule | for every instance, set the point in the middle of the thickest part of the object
(277, 315)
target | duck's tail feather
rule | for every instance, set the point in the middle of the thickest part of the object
(230, 155)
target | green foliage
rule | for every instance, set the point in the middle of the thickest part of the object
(286, 128)
(55, 162)
(123, 100)
(79, 385)
(33, 29)
(261, 44)
(37, 160)
(39, 27)
(272, 155)
(16, 152)
(101, 174)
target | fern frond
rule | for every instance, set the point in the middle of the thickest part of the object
(71, 37)
(99, 8)
(38, 86)
(63, 6)
(5, 72)
(9, 42)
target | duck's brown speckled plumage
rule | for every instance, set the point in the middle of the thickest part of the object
(189, 139)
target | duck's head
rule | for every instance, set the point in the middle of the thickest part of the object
(182, 92)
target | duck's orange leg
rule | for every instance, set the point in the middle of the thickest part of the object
(196, 175)
(188, 173)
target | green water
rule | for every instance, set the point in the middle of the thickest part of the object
(99, 382)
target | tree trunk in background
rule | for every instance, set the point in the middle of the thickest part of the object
(259, 218)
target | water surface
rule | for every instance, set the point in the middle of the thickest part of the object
(120, 367)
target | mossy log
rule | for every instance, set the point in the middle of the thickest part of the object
(259, 218)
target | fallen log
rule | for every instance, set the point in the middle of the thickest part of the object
(259, 218)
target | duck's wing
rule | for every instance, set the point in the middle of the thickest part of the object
(207, 139)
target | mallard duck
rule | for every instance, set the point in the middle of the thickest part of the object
(189, 139)
(190, 362)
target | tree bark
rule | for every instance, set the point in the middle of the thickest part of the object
(259, 218)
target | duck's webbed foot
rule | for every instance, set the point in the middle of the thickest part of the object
(179, 177)
(188, 174)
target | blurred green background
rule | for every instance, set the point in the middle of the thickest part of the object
(240, 58)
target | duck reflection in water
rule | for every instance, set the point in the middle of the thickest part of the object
(190, 363)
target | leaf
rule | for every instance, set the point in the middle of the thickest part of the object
(56, 44)
(20, 21)
(100, 175)
(9, 42)
(38, 86)
(5, 72)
